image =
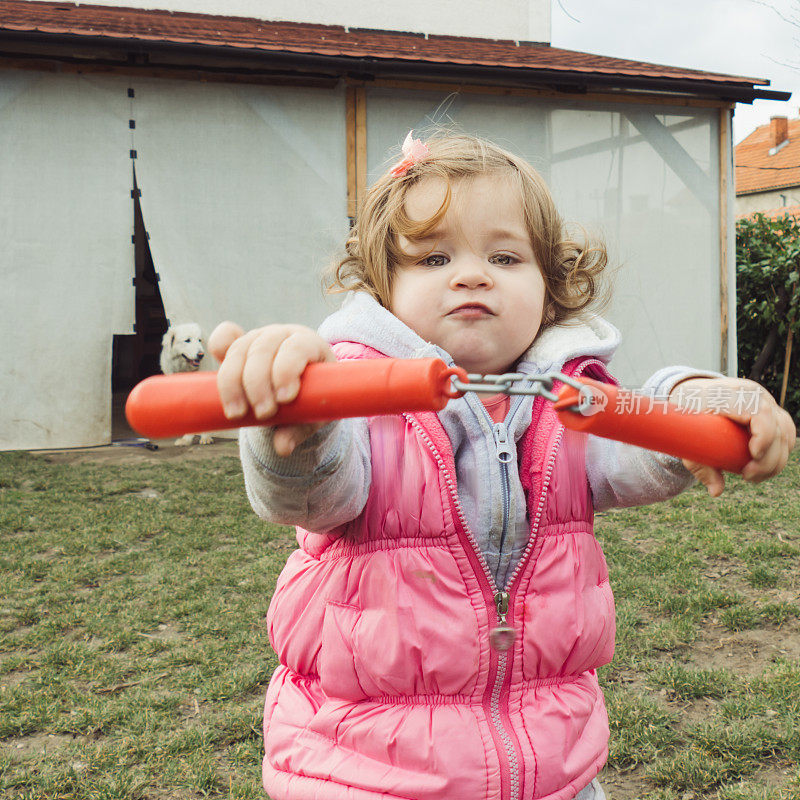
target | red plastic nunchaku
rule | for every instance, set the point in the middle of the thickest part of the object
(705, 437)
(165, 406)
(171, 405)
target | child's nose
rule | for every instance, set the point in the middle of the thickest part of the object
(470, 273)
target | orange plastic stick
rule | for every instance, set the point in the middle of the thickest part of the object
(657, 425)
(164, 406)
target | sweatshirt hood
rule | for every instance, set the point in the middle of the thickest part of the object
(489, 489)
(363, 320)
(554, 346)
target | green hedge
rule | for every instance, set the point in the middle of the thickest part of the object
(767, 300)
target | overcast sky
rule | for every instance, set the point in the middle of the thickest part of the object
(736, 37)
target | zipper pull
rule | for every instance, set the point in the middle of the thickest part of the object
(503, 449)
(502, 637)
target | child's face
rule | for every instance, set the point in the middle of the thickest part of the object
(479, 293)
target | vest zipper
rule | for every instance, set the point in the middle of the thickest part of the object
(548, 473)
(501, 729)
(504, 454)
(502, 599)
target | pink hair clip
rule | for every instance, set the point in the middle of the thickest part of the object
(414, 151)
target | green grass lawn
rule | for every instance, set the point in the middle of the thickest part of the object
(134, 656)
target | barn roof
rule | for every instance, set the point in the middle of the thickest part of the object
(374, 51)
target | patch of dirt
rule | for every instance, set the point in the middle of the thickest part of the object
(37, 744)
(20, 632)
(643, 544)
(167, 451)
(49, 554)
(163, 633)
(16, 677)
(692, 713)
(226, 772)
(190, 708)
(147, 494)
(632, 784)
(733, 578)
(743, 652)
(627, 785)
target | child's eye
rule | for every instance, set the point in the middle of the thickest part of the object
(434, 261)
(503, 259)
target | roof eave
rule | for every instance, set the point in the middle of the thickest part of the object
(765, 189)
(369, 67)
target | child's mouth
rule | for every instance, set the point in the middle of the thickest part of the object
(471, 311)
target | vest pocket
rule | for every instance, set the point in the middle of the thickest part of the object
(568, 635)
(337, 669)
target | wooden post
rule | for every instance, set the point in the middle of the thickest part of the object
(724, 179)
(361, 144)
(787, 358)
(788, 354)
(356, 124)
(350, 125)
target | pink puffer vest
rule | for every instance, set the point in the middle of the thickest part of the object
(388, 686)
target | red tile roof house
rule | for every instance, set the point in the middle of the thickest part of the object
(768, 169)
(159, 163)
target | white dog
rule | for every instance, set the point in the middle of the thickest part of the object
(182, 351)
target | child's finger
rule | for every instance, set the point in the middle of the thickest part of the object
(257, 369)
(222, 337)
(711, 478)
(303, 347)
(287, 437)
(772, 432)
(773, 439)
(770, 447)
(229, 376)
(763, 424)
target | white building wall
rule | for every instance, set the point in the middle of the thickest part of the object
(527, 20)
(66, 256)
(767, 201)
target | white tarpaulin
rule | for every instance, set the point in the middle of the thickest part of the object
(243, 193)
(244, 197)
(66, 257)
(642, 177)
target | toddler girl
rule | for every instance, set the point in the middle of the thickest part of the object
(440, 627)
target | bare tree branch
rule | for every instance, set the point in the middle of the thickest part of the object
(794, 20)
(561, 6)
(782, 63)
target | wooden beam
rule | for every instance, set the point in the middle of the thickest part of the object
(643, 98)
(350, 125)
(44, 64)
(356, 125)
(614, 142)
(361, 143)
(61, 58)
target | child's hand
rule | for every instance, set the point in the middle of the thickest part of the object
(261, 369)
(772, 432)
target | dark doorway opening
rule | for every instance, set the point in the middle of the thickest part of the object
(135, 356)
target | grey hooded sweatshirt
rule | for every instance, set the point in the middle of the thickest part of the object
(326, 481)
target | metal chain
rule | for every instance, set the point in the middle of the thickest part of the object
(513, 383)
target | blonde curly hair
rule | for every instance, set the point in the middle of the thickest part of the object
(571, 269)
